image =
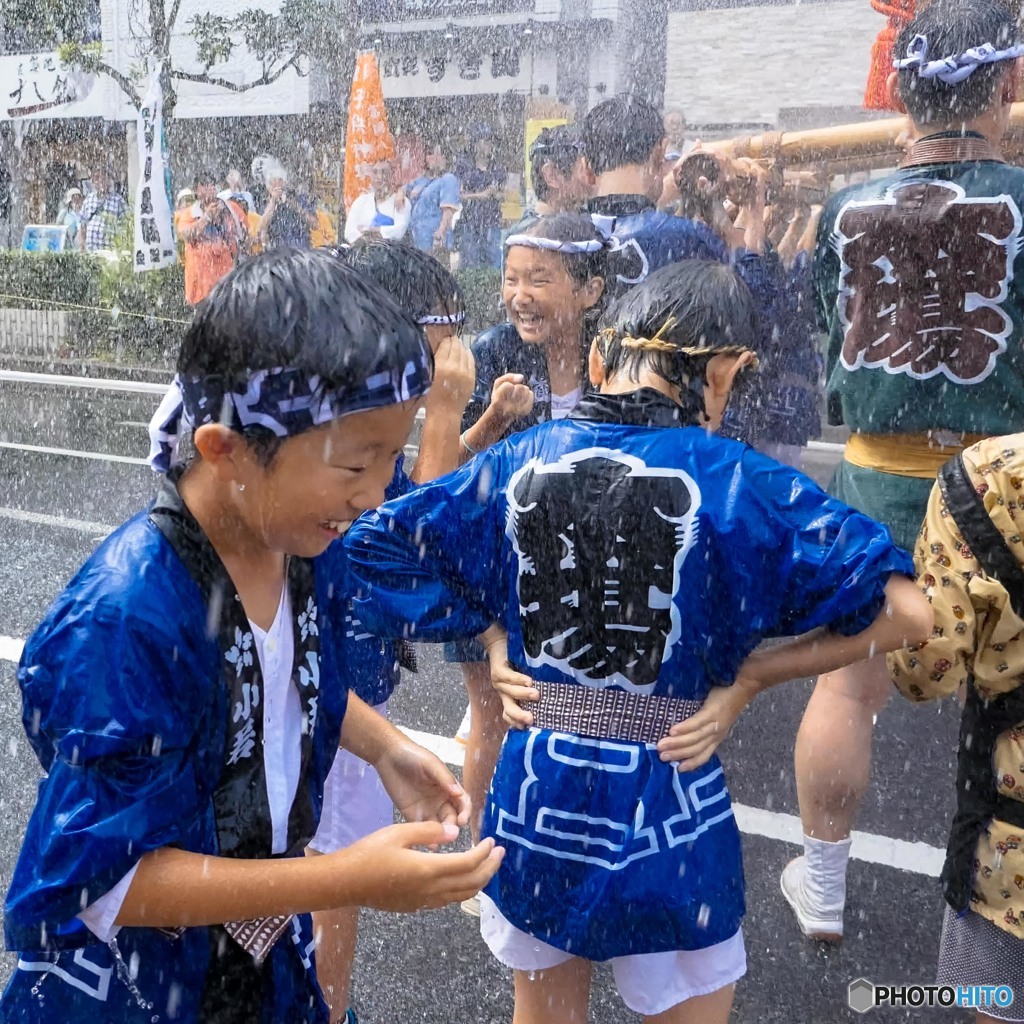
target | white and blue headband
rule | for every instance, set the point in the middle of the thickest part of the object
(284, 401)
(953, 69)
(555, 245)
(440, 319)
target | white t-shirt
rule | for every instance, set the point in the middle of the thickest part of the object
(562, 405)
(282, 754)
(362, 212)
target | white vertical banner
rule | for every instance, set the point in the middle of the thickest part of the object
(154, 236)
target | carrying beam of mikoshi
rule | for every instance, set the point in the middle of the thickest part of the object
(863, 145)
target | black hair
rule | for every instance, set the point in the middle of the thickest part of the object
(573, 227)
(951, 27)
(205, 177)
(559, 146)
(300, 309)
(414, 279)
(700, 306)
(620, 131)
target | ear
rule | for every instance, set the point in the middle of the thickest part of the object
(588, 169)
(658, 155)
(595, 366)
(892, 91)
(591, 292)
(722, 370)
(552, 177)
(222, 449)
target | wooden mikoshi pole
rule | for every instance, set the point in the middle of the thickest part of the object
(861, 146)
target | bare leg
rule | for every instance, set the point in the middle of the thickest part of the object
(833, 764)
(335, 934)
(714, 1008)
(833, 747)
(486, 732)
(559, 995)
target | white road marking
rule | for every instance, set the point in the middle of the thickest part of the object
(11, 648)
(917, 858)
(40, 519)
(73, 453)
(95, 383)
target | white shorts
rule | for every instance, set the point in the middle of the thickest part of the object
(355, 802)
(649, 983)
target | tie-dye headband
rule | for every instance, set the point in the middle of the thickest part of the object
(953, 69)
(284, 401)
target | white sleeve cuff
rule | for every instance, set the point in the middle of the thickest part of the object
(99, 917)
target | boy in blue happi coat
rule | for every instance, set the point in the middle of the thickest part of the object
(186, 692)
(636, 561)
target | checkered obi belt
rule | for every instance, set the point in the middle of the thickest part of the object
(607, 714)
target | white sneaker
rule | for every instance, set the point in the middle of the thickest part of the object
(462, 736)
(471, 907)
(816, 923)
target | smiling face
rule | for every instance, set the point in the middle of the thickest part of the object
(319, 482)
(542, 299)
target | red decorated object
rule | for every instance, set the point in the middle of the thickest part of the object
(900, 13)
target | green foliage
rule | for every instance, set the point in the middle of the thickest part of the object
(303, 28)
(115, 311)
(481, 289)
(32, 25)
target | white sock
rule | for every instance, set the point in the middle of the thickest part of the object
(825, 873)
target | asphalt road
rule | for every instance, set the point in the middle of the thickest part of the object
(433, 967)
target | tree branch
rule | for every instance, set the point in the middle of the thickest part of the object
(174, 16)
(100, 68)
(265, 79)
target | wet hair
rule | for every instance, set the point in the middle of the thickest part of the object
(415, 280)
(300, 309)
(621, 131)
(559, 146)
(686, 313)
(951, 27)
(573, 227)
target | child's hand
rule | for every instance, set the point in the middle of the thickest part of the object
(454, 376)
(384, 872)
(511, 398)
(510, 685)
(693, 741)
(421, 786)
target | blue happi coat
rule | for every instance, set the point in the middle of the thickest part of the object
(126, 707)
(619, 550)
(373, 665)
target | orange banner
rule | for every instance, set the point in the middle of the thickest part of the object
(368, 139)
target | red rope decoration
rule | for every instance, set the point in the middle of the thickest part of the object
(900, 13)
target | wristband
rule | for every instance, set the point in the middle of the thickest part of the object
(465, 444)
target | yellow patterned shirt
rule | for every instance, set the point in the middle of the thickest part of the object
(977, 632)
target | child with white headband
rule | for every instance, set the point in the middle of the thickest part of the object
(530, 369)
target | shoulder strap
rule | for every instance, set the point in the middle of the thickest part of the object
(967, 507)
